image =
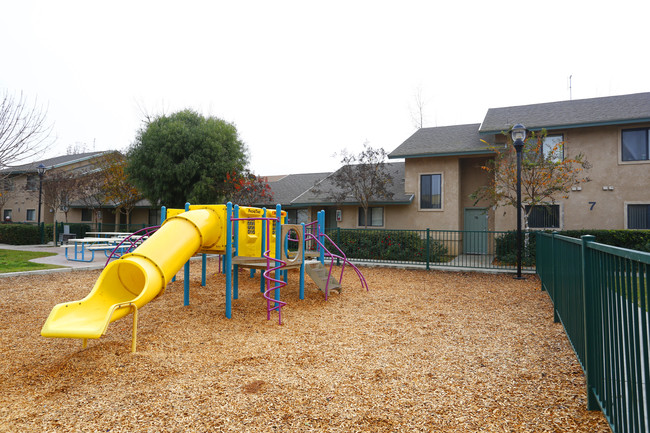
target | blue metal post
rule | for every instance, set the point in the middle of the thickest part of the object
(278, 247)
(186, 274)
(228, 260)
(321, 231)
(235, 270)
(302, 264)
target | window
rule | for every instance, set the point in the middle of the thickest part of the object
(638, 216)
(298, 216)
(86, 214)
(32, 182)
(6, 215)
(31, 215)
(431, 191)
(154, 217)
(553, 148)
(375, 217)
(634, 144)
(541, 216)
(8, 184)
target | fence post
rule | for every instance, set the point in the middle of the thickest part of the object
(338, 242)
(427, 248)
(590, 333)
(556, 317)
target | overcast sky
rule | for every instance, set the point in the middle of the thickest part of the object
(302, 80)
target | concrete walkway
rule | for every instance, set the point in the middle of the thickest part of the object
(59, 259)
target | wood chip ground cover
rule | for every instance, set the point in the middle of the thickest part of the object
(421, 352)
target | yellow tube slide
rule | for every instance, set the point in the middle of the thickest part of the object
(138, 277)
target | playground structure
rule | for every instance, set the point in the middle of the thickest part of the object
(246, 237)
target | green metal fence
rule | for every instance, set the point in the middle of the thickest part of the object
(448, 248)
(600, 294)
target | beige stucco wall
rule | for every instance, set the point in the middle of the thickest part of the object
(20, 199)
(630, 181)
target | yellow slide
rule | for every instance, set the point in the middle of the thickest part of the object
(130, 282)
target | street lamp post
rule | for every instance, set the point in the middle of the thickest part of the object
(518, 137)
(41, 172)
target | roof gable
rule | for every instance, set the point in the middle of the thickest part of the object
(441, 141)
(56, 162)
(610, 110)
(321, 194)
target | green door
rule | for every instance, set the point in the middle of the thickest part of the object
(475, 237)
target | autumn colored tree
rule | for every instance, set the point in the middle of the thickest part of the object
(547, 175)
(245, 188)
(116, 186)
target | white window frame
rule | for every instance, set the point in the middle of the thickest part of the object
(544, 151)
(442, 192)
(625, 213)
(620, 147)
(383, 216)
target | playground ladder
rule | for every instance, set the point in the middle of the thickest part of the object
(319, 273)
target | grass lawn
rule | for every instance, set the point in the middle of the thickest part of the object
(19, 261)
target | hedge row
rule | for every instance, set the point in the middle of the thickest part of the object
(28, 234)
(388, 245)
(506, 244)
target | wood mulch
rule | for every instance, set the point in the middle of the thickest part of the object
(421, 352)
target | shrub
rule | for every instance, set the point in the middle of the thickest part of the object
(389, 245)
(19, 234)
(506, 248)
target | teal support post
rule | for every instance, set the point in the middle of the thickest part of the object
(228, 260)
(186, 275)
(235, 270)
(302, 264)
(252, 273)
(338, 242)
(427, 248)
(264, 246)
(204, 263)
(278, 248)
(591, 335)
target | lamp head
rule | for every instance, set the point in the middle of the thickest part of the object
(518, 132)
(41, 169)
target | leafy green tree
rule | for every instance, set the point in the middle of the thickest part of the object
(184, 157)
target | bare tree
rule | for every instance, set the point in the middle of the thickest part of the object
(91, 187)
(24, 132)
(363, 179)
(59, 191)
(417, 112)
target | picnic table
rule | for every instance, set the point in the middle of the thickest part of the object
(84, 248)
